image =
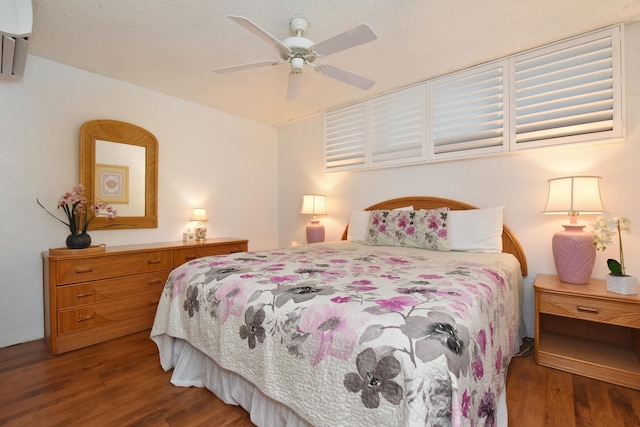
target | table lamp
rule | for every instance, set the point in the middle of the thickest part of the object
(200, 215)
(314, 204)
(574, 253)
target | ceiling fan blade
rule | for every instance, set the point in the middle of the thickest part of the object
(239, 67)
(356, 36)
(345, 76)
(249, 25)
(294, 86)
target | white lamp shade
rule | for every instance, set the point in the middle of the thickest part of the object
(313, 204)
(199, 214)
(574, 195)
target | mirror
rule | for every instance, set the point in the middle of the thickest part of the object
(119, 165)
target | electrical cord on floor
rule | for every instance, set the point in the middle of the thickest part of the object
(525, 349)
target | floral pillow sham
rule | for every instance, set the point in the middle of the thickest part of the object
(359, 224)
(426, 229)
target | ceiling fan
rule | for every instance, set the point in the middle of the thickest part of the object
(299, 51)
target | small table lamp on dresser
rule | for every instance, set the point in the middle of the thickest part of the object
(200, 215)
(314, 204)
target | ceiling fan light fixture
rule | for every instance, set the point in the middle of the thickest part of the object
(297, 64)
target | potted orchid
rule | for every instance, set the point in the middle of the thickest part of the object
(604, 230)
(74, 205)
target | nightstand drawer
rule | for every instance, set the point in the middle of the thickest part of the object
(591, 309)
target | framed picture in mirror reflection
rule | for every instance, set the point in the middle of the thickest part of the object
(112, 183)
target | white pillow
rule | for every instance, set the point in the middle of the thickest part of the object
(359, 225)
(476, 230)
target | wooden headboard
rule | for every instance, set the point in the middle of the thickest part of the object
(510, 243)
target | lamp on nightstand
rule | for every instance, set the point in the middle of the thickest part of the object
(573, 250)
(314, 204)
(200, 215)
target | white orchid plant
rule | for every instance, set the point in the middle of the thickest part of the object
(604, 230)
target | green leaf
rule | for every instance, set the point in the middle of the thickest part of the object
(614, 267)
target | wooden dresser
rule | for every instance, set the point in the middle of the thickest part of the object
(97, 294)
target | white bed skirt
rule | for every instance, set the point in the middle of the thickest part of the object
(193, 368)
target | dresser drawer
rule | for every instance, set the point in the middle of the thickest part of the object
(108, 313)
(69, 296)
(180, 256)
(104, 267)
(591, 309)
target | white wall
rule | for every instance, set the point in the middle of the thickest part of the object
(517, 181)
(207, 158)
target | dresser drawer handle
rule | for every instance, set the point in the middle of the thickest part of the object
(189, 258)
(88, 294)
(155, 261)
(588, 309)
(85, 318)
(84, 270)
(155, 282)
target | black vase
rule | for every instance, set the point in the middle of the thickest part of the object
(78, 241)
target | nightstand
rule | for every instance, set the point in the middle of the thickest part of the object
(585, 330)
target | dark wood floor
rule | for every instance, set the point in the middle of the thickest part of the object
(120, 383)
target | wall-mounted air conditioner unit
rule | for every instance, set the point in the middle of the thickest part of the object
(16, 20)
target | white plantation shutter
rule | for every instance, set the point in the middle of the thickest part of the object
(565, 93)
(568, 89)
(344, 138)
(397, 127)
(468, 111)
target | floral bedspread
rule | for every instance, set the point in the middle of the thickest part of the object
(349, 334)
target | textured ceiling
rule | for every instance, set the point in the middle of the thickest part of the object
(171, 46)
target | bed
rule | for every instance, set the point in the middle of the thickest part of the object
(359, 332)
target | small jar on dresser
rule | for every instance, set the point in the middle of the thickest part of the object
(97, 294)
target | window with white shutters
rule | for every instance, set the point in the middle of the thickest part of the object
(468, 111)
(397, 127)
(564, 93)
(568, 92)
(344, 138)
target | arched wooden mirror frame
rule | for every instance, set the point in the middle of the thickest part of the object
(123, 133)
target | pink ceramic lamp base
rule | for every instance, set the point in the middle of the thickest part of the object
(574, 254)
(315, 232)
